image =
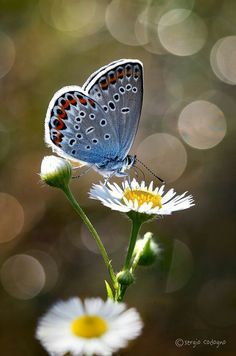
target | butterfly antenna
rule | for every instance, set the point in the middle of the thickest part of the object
(140, 170)
(149, 170)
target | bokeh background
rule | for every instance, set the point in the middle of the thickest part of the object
(186, 136)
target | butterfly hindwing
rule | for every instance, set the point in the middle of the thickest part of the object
(118, 88)
(77, 127)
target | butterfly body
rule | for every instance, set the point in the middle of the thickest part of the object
(114, 166)
(96, 124)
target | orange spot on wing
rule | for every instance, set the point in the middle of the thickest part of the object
(65, 106)
(73, 101)
(128, 72)
(112, 80)
(104, 86)
(120, 74)
(92, 103)
(57, 140)
(83, 101)
(62, 116)
(61, 124)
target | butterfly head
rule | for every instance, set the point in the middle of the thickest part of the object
(116, 167)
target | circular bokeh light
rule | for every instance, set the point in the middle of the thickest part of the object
(202, 124)
(181, 267)
(121, 16)
(22, 276)
(223, 59)
(164, 154)
(74, 17)
(182, 32)
(4, 137)
(50, 268)
(12, 217)
(7, 54)
(146, 30)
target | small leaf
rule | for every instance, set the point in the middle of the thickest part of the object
(109, 290)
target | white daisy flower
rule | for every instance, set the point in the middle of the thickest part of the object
(94, 327)
(140, 198)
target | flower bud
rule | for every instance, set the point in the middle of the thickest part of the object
(55, 171)
(146, 249)
(125, 278)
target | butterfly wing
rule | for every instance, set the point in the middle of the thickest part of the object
(118, 88)
(76, 127)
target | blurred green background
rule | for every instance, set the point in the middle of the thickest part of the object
(186, 136)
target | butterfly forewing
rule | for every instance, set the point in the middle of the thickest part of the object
(77, 127)
(118, 88)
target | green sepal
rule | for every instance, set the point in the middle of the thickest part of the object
(109, 291)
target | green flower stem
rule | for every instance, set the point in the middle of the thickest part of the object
(121, 293)
(137, 221)
(93, 232)
(136, 224)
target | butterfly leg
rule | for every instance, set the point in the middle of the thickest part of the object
(83, 173)
(108, 178)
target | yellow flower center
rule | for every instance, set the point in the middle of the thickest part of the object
(89, 326)
(143, 197)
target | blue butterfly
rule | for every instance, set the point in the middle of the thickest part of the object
(96, 124)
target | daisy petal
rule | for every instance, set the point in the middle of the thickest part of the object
(95, 327)
(139, 197)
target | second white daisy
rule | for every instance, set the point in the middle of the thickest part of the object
(140, 198)
(92, 327)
